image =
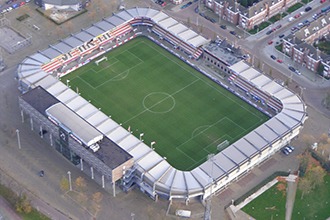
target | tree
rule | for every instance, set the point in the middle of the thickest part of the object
(316, 176)
(97, 197)
(64, 184)
(80, 184)
(305, 186)
(23, 205)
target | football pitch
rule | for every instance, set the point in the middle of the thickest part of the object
(147, 89)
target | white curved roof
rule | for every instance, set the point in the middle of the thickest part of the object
(155, 168)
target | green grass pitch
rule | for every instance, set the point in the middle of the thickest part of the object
(146, 88)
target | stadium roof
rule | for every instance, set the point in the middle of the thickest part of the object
(65, 116)
(78, 112)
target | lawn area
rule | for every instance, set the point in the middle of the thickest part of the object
(269, 205)
(11, 197)
(294, 7)
(144, 87)
(314, 205)
(277, 17)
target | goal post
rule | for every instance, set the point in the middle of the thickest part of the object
(222, 145)
(100, 60)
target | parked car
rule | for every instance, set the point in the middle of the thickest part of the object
(291, 19)
(288, 149)
(292, 68)
(285, 151)
(196, 9)
(269, 32)
(297, 15)
(322, 1)
(297, 72)
(281, 36)
(273, 57)
(291, 147)
(212, 20)
(15, 5)
(294, 29)
(223, 26)
(270, 42)
(278, 26)
(308, 9)
(279, 61)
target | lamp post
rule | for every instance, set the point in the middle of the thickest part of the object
(152, 144)
(18, 139)
(141, 135)
(70, 185)
(67, 82)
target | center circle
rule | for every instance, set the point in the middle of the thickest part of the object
(158, 102)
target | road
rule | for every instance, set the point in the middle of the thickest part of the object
(22, 165)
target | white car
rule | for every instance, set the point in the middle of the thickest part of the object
(9, 9)
(291, 19)
(297, 72)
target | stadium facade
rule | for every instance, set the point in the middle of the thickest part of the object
(112, 155)
(74, 5)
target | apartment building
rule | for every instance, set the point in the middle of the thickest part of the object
(299, 45)
(247, 18)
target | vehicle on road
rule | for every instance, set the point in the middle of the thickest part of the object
(281, 36)
(270, 42)
(223, 26)
(297, 72)
(279, 61)
(273, 57)
(232, 32)
(307, 9)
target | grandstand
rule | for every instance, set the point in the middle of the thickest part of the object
(104, 140)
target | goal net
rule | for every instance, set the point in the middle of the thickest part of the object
(100, 60)
(223, 145)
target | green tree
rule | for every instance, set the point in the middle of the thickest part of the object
(305, 186)
(81, 184)
(316, 176)
(23, 205)
(64, 184)
(244, 3)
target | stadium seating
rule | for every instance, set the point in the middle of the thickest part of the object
(257, 93)
(195, 52)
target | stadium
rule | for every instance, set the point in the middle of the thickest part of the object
(112, 154)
